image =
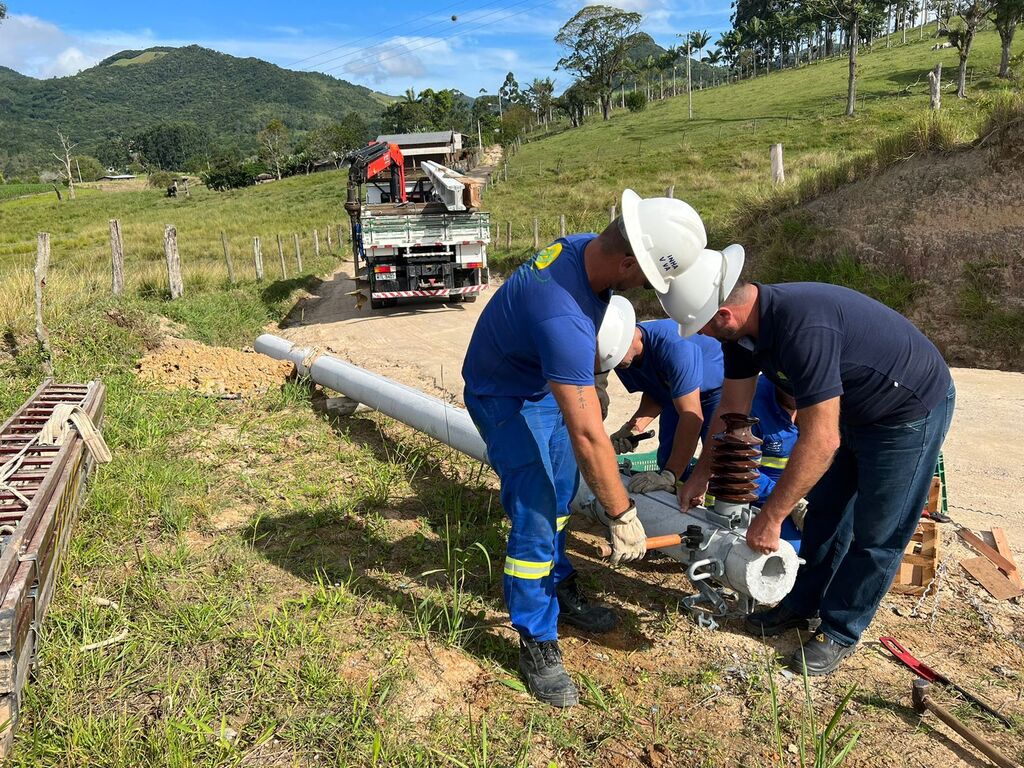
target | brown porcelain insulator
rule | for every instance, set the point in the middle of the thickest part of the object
(735, 460)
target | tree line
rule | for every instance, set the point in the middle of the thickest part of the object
(605, 52)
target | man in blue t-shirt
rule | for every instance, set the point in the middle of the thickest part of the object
(875, 399)
(680, 381)
(529, 374)
(775, 411)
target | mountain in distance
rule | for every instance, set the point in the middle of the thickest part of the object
(232, 98)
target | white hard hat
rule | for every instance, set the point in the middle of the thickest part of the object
(665, 234)
(616, 333)
(693, 299)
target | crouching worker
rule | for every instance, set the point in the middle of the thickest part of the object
(529, 374)
(680, 382)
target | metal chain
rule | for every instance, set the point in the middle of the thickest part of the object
(975, 511)
(934, 587)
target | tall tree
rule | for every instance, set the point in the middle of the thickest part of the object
(698, 41)
(1006, 15)
(273, 141)
(3, 11)
(972, 13)
(509, 91)
(65, 159)
(849, 14)
(597, 42)
(539, 95)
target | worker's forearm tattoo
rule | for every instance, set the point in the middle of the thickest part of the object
(581, 398)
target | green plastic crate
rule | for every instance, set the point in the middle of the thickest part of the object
(639, 462)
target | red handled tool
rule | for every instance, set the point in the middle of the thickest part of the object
(924, 671)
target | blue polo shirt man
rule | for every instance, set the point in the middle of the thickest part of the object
(875, 400)
(529, 388)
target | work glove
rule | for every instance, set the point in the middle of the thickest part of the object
(629, 540)
(799, 514)
(625, 439)
(645, 482)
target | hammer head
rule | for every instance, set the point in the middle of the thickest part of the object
(919, 693)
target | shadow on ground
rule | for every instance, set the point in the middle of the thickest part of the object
(400, 547)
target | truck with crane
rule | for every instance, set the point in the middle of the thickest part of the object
(416, 238)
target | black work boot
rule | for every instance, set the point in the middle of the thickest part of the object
(819, 656)
(541, 667)
(777, 620)
(575, 609)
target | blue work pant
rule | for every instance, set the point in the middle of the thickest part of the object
(860, 518)
(528, 445)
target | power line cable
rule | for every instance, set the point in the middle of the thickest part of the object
(382, 33)
(466, 30)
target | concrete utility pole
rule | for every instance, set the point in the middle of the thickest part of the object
(689, 84)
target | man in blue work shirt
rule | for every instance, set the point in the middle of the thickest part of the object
(681, 382)
(775, 411)
(529, 374)
(875, 400)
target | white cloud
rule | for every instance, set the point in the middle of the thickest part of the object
(476, 50)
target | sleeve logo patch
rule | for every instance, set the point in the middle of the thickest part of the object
(546, 258)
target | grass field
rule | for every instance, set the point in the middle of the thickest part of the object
(9, 191)
(719, 161)
(305, 590)
(80, 237)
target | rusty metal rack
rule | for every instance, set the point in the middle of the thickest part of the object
(39, 501)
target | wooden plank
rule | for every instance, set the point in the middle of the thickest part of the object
(1003, 548)
(934, 493)
(994, 582)
(997, 559)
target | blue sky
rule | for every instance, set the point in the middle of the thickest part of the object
(386, 46)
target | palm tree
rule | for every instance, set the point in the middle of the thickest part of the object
(698, 40)
(752, 33)
(713, 59)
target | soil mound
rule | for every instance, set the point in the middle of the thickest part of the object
(954, 223)
(218, 371)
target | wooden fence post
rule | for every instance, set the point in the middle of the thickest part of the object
(508, 234)
(298, 253)
(330, 245)
(257, 257)
(670, 191)
(778, 172)
(116, 258)
(280, 253)
(341, 237)
(536, 234)
(611, 214)
(42, 264)
(316, 247)
(227, 258)
(935, 83)
(561, 225)
(173, 262)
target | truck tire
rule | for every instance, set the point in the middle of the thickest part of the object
(383, 303)
(469, 298)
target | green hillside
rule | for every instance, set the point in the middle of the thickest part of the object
(718, 160)
(231, 98)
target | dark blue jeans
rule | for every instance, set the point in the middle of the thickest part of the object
(860, 518)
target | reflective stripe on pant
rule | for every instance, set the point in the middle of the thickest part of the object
(528, 445)
(860, 517)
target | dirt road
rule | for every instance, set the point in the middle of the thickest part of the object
(422, 345)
